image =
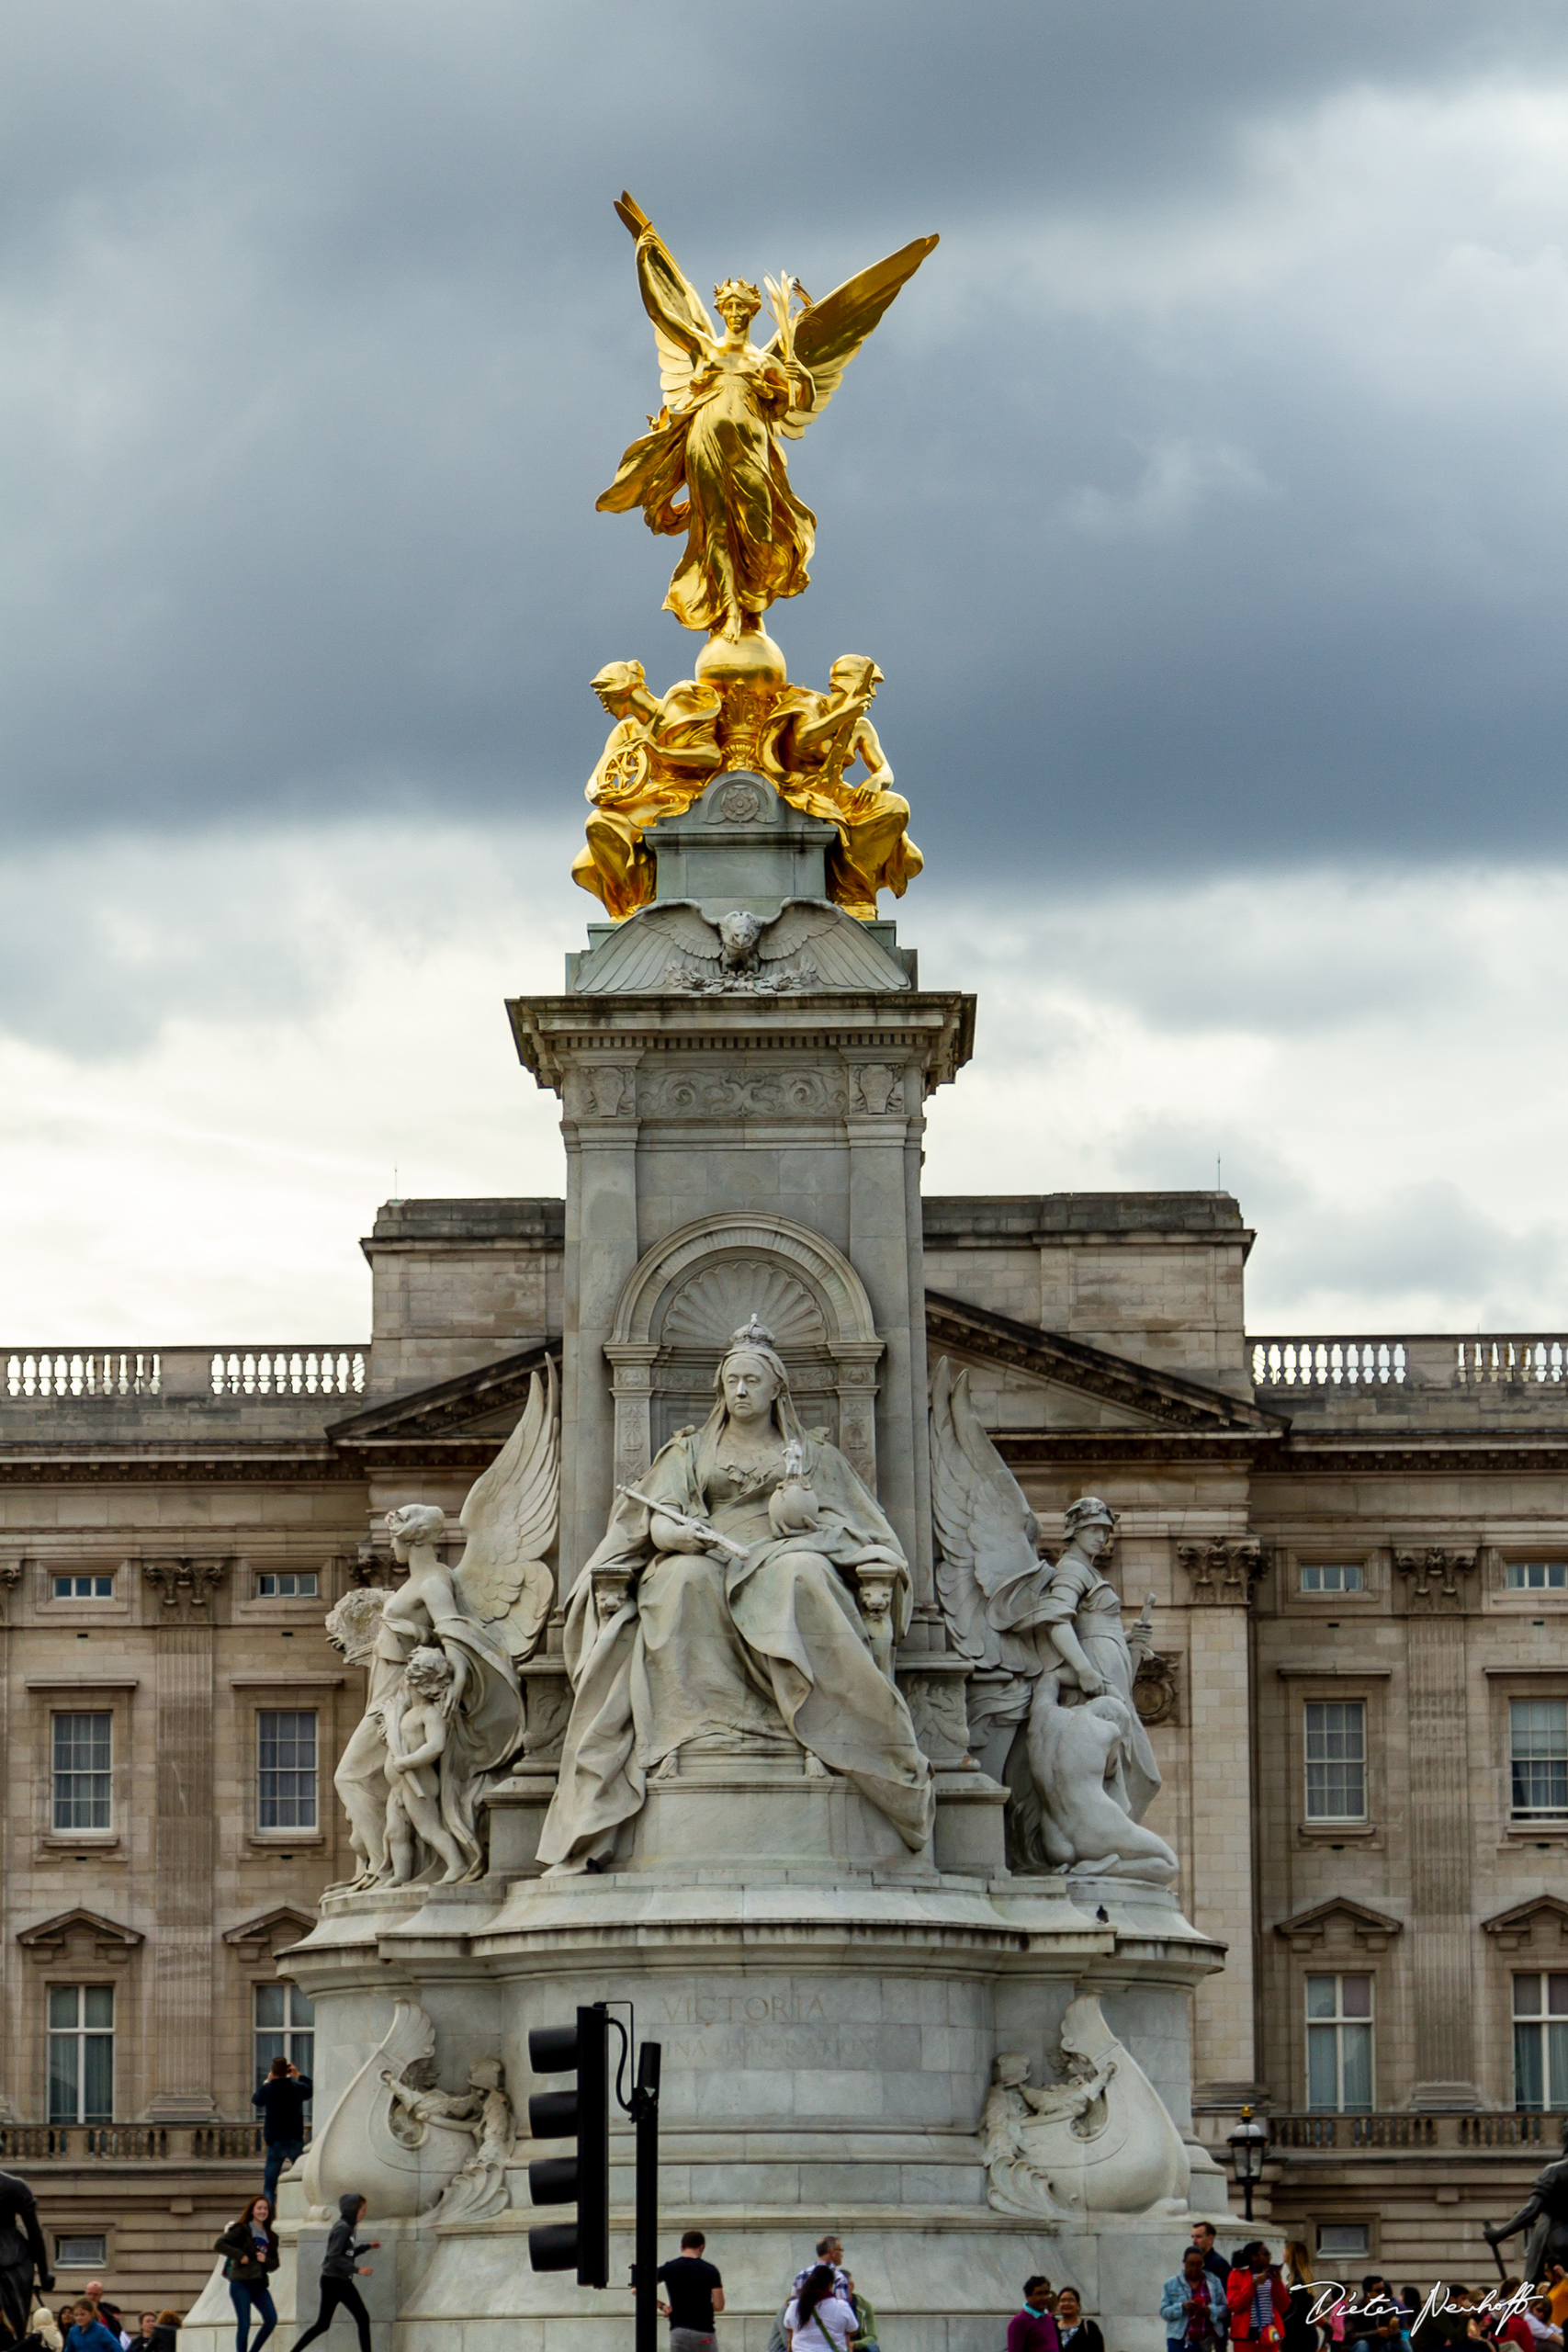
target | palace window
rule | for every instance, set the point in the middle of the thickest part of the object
(80, 2253)
(81, 2053)
(1340, 2044)
(1338, 2239)
(82, 1588)
(1538, 1755)
(290, 1584)
(286, 1770)
(285, 2027)
(1337, 1760)
(1335, 1575)
(82, 1759)
(1537, 1575)
(1540, 2041)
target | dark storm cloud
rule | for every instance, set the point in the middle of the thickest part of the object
(317, 338)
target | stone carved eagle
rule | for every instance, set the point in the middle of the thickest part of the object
(809, 944)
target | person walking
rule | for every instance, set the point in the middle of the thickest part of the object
(1033, 2329)
(249, 2247)
(165, 2329)
(281, 2098)
(819, 2319)
(696, 2292)
(1188, 2305)
(338, 2270)
(831, 2250)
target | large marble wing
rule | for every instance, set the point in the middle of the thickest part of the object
(829, 334)
(985, 1527)
(511, 1515)
(676, 364)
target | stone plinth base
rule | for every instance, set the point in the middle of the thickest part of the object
(828, 2039)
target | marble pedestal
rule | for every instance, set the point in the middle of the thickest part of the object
(828, 2036)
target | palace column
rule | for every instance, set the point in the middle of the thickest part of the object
(184, 1840)
(1441, 1934)
(1220, 1901)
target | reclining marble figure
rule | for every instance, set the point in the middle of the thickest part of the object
(1058, 1724)
(677, 1640)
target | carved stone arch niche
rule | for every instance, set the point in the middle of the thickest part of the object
(693, 1289)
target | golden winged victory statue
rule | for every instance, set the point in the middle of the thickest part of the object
(712, 466)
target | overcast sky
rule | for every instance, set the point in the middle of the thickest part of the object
(1204, 500)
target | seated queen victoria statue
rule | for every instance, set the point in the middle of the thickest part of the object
(721, 1612)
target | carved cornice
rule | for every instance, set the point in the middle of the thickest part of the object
(1434, 1576)
(1224, 1571)
(184, 1585)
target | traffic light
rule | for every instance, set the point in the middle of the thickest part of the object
(581, 2114)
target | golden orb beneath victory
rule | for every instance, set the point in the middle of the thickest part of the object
(750, 659)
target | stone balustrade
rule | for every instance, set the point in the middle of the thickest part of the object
(188, 1374)
(1290, 2134)
(1526, 1359)
(178, 2143)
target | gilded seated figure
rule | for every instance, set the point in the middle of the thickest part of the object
(731, 1618)
(658, 756)
(811, 740)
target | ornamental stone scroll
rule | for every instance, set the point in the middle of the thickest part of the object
(692, 1289)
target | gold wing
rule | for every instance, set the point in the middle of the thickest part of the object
(676, 291)
(829, 334)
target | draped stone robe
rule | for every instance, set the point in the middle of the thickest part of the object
(722, 1651)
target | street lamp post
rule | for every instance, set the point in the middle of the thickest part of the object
(1248, 2144)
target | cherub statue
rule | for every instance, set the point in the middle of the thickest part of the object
(658, 756)
(1056, 1629)
(811, 739)
(726, 403)
(417, 1742)
(484, 1617)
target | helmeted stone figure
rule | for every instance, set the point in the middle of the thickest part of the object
(23, 2255)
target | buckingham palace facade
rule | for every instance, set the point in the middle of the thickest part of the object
(1358, 1549)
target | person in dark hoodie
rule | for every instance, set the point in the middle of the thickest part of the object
(338, 2271)
(249, 2247)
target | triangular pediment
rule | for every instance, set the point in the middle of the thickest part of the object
(51, 1936)
(479, 1404)
(1308, 1931)
(273, 1929)
(1541, 1924)
(1084, 1387)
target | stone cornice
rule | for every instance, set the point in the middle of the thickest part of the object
(1167, 1397)
(443, 1410)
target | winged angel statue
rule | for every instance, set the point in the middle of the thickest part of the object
(1053, 1716)
(726, 403)
(444, 1709)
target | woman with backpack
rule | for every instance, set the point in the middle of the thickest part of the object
(249, 2247)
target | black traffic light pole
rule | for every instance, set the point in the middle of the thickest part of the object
(645, 2116)
(582, 2115)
